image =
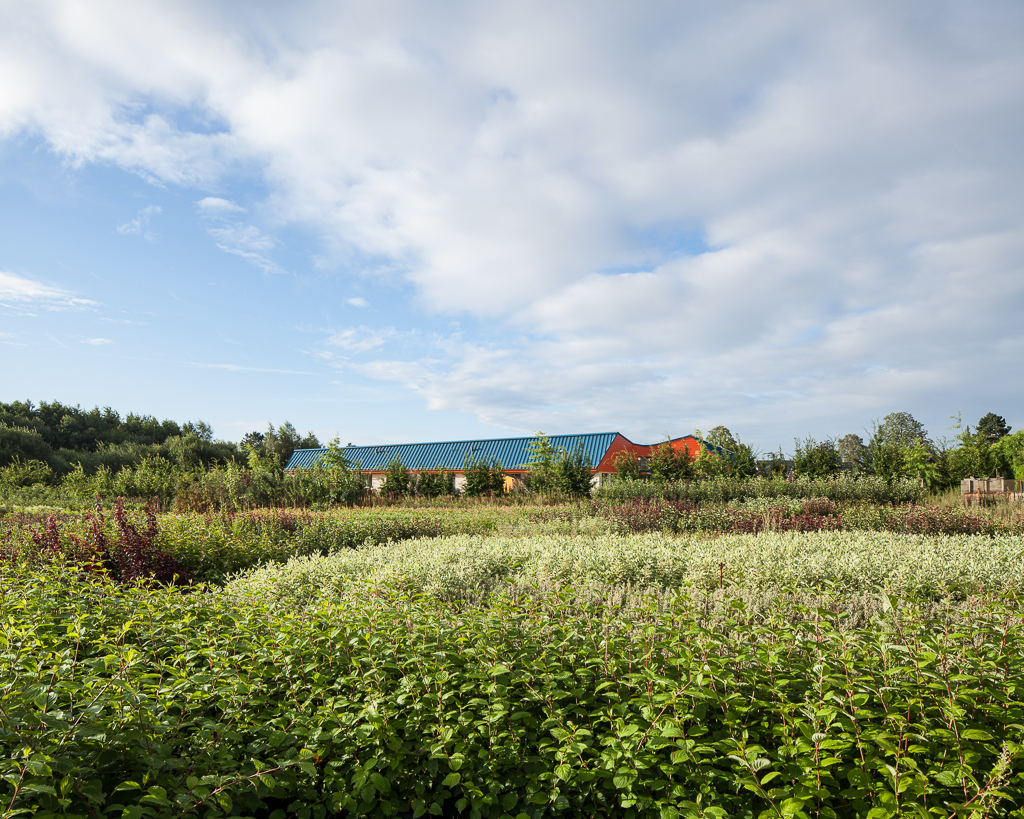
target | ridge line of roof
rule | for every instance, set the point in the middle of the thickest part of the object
(469, 441)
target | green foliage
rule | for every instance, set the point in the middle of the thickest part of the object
(396, 480)
(744, 460)
(1011, 452)
(669, 463)
(573, 471)
(153, 478)
(773, 465)
(727, 488)
(154, 703)
(901, 429)
(894, 455)
(627, 465)
(816, 460)
(484, 476)
(437, 483)
(334, 479)
(854, 453)
(708, 462)
(557, 469)
(19, 443)
(883, 555)
(25, 473)
(282, 441)
(543, 464)
(992, 427)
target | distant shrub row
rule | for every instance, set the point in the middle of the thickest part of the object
(726, 488)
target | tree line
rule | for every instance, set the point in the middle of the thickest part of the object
(44, 443)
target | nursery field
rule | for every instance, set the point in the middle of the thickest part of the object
(624, 656)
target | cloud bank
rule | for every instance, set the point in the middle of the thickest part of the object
(676, 214)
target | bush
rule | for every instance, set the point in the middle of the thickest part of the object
(392, 704)
(484, 477)
(435, 484)
(817, 461)
(130, 554)
(728, 488)
(396, 480)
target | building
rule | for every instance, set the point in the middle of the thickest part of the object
(977, 491)
(603, 448)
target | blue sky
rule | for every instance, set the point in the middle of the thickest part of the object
(398, 223)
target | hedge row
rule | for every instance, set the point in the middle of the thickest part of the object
(464, 567)
(133, 702)
(726, 488)
(207, 548)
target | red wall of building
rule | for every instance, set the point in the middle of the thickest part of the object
(623, 444)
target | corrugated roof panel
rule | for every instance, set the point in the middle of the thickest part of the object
(512, 452)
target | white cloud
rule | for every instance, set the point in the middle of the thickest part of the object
(140, 224)
(359, 339)
(99, 341)
(670, 212)
(249, 243)
(215, 206)
(357, 301)
(19, 290)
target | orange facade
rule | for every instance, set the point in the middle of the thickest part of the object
(623, 444)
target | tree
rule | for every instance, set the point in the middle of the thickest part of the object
(742, 458)
(202, 430)
(396, 480)
(627, 465)
(773, 465)
(721, 437)
(439, 482)
(669, 463)
(552, 468)
(993, 427)
(901, 429)
(343, 479)
(1011, 448)
(284, 440)
(707, 463)
(484, 476)
(814, 460)
(542, 468)
(853, 451)
(252, 439)
(573, 469)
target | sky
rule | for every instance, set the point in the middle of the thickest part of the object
(399, 221)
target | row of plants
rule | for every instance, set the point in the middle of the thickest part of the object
(260, 481)
(726, 488)
(463, 567)
(801, 515)
(194, 547)
(132, 544)
(128, 701)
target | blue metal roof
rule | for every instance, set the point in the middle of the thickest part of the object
(512, 452)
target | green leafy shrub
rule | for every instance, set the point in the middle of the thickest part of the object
(129, 554)
(724, 489)
(484, 477)
(436, 484)
(153, 703)
(667, 463)
(817, 460)
(461, 567)
(396, 479)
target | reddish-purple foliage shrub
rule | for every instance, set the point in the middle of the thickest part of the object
(642, 515)
(931, 520)
(820, 506)
(133, 556)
